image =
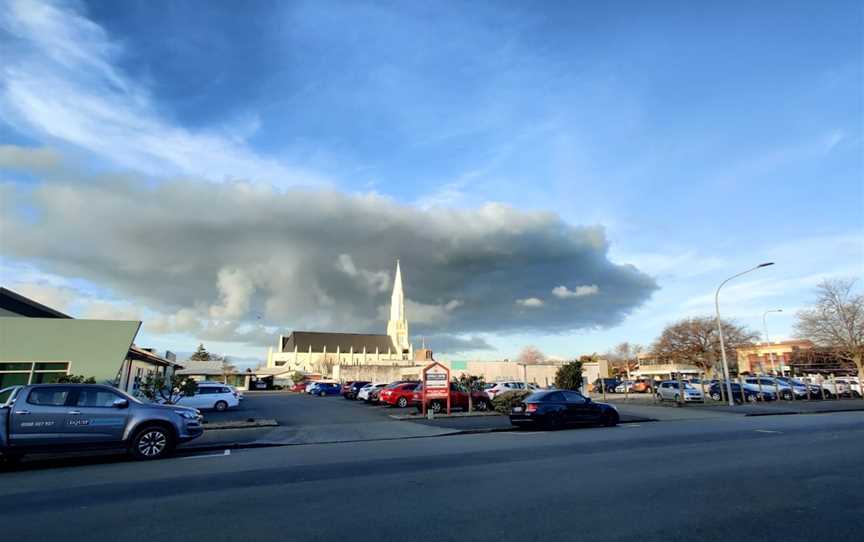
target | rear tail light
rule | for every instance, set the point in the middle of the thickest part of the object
(531, 407)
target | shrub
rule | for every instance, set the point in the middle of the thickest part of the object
(569, 376)
(76, 379)
(507, 400)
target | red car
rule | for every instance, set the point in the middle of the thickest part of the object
(299, 387)
(458, 399)
(398, 394)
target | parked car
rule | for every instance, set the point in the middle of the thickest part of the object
(350, 392)
(751, 394)
(237, 393)
(789, 389)
(480, 400)
(642, 386)
(557, 408)
(853, 385)
(299, 387)
(211, 395)
(363, 393)
(67, 417)
(375, 394)
(625, 386)
(668, 390)
(498, 388)
(398, 394)
(608, 384)
(326, 388)
(310, 388)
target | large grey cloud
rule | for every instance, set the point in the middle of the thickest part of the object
(235, 256)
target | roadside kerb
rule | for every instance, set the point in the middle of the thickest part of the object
(239, 424)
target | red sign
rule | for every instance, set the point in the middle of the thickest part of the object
(436, 384)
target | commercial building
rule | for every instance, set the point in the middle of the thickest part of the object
(653, 368)
(39, 344)
(770, 357)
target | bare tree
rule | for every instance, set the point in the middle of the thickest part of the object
(531, 355)
(836, 321)
(695, 341)
(624, 357)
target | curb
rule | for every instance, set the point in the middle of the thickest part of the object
(248, 424)
(805, 412)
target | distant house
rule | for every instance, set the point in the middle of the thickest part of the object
(39, 344)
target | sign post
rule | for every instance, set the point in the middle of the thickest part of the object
(436, 384)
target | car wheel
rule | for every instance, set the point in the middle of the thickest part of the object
(658, 397)
(554, 422)
(436, 406)
(716, 396)
(610, 418)
(751, 398)
(402, 402)
(221, 406)
(481, 406)
(8, 460)
(152, 442)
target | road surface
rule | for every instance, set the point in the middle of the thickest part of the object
(769, 478)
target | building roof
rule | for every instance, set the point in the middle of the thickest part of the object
(206, 368)
(344, 342)
(17, 304)
(144, 354)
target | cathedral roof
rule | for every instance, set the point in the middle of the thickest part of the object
(343, 341)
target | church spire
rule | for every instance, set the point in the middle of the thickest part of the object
(397, 327)
(397, 300)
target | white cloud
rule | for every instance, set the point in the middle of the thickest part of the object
(236, 289)
(562, 292)
(92, 105)
(530, 302)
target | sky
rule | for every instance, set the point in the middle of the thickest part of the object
(568, 177)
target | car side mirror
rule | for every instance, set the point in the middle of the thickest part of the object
(120, 403)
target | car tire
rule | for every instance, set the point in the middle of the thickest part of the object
(554, 422)
(151, 442)
(402, 402)
(220, 406)
(716, 396)
(610, 418)
(436, 406)
(8, 460)
(482, 406)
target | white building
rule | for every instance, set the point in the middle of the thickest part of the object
(318, 352)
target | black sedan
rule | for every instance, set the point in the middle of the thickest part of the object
(557, 408)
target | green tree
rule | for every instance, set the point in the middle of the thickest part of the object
(169, 390)
(76, 379)
(201, 354)
(297, 377)
(569, 376)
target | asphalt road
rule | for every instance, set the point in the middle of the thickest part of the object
(298, 410)
(773, 478)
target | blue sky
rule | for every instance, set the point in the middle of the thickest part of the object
(703, 139)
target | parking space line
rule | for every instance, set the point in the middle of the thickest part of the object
(767, 431)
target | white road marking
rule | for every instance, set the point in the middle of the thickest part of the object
(630, 425)
(767, 431)
(227, 452)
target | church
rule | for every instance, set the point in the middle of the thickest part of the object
(318, 352)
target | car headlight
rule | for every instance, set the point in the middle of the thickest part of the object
(188, 414)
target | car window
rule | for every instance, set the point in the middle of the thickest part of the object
(49, 396)
(206, 390)
(573, 397)
(554, 396)
(96, 398)
(7, 394)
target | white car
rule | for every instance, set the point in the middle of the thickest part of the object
(211, 395)
(624, 386)
(668, 391)
(853, 385)
(501, 387)
(363, 394)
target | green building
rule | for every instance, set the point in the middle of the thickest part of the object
(39, 344)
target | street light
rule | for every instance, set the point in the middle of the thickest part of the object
(720, 328)
(768, 340)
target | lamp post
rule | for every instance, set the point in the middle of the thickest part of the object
(720, 328)
(768, 340)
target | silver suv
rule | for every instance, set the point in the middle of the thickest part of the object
(65, 417)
